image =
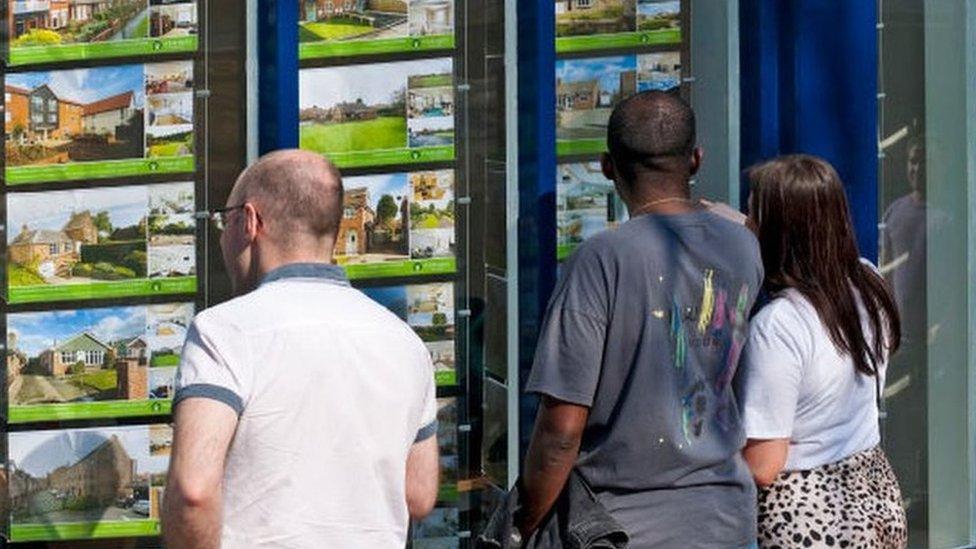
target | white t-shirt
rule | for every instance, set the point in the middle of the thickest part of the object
(332, 390)
(793, 383)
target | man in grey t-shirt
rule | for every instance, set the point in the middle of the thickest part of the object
(639, 346)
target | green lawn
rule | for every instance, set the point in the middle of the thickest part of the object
(165, 150)
(142, 29)
(429, 221)
(165, 360)
(335, 30)
(382, 133)
(103, 380)
(18, 275)
(431, 81)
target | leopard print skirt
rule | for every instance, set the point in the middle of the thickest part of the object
(853, 503)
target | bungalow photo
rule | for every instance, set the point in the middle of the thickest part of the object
(99, 475)
(173, 19)
(430, 310)
(364, 107)
(345, 20)
(62, 22)
(76, 237)
(589, 17)
(586, 92)
(374, 226)
(80, 115)
(586, 204)
(172, 230)
(659, 71)
(432, 231)
(658, 15)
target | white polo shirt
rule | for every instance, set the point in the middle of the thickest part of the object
(332, 390)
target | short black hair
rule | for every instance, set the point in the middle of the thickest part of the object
(650, 131)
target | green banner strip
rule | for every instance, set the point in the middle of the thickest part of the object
(317, 50)
(24, 55)
(442, 265)
(446, 378)
(581, 146)
(391, 156)
(89, 410)
(84, 530)
(570, 44)
(21, 175)
(102, 290)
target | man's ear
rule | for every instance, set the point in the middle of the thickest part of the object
(252, 220)
(696, 160)
(607, 167)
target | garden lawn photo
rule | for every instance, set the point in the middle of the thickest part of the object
(359, 113)
(55, 23)
(330, 21)
(660, 16)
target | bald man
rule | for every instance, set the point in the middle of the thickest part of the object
(293, 427)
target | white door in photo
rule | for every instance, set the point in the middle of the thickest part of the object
(351, 248)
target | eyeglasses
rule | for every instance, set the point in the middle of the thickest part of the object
(218, 216)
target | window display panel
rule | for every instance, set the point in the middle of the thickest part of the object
(102, 122)
(101, 243)
(429, 310)
(330, 29)
(583, 25)
(379, 114)
(45, 31)
(586, 204)
(588, 89)
(94, 363)
(87, 483)
(397, 224)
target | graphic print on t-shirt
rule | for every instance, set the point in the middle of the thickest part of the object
(714, 329)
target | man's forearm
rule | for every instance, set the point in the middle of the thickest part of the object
(550, 460)
(192, 525)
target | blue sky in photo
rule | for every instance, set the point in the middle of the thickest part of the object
(51, 210)
(393, 298)
(375, 84)
(39, 331)
(656, 7)
(394, 184)
(40, 452)
(606, 69)
(87, 85)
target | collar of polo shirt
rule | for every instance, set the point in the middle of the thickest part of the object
(321, 271)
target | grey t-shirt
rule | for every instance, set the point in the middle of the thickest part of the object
(645, 328)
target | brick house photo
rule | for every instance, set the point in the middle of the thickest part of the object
(589, 17)
(61, 22)
(374, 226)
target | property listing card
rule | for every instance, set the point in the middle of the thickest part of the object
(101, 243)
(588, 89)
(429, 310)
(379, 114)
(46, 31)
(583, 25)
(94, 363)
(88, 483)
(329, 29)
(586, 204)
(97, 123)
(398, 224)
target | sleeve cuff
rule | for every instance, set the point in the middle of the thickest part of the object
(213, 392)
(426, 432)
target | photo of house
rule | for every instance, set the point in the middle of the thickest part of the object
(344, 20)
(171, 77)
(172, 230)
(82, 475)
(61, 22)
(166, 326)
(431, 17)
(173, 19)
(659, 71)
(76, 237)
(79, 115)
(374, 227)
(586, 203)
(658, 15)
(586, 92)
(364, 107)
(430, 310)
(442, 354)
(432, 231)
(589, 17)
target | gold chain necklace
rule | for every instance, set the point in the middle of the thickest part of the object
(643, 209)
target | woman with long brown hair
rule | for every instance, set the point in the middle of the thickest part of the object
(812, 371)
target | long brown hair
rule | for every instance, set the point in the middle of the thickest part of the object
(807, 242)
